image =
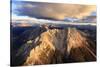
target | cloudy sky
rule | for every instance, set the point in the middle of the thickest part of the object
(67, 1)
(45, 10)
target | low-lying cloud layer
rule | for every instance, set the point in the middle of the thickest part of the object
(56, 11)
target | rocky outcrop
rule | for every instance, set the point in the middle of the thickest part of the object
(49, 43)
(54, 46)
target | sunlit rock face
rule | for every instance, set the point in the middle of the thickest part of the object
(49, 44)
(80, 47)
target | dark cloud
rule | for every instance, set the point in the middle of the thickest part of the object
(52, 10)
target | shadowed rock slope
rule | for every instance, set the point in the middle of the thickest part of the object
(55, 46)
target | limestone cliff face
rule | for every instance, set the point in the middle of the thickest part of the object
(54, 46)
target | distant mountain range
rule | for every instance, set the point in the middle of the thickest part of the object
(30, 21)
(89, 19)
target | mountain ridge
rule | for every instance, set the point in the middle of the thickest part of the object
(55, 46)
